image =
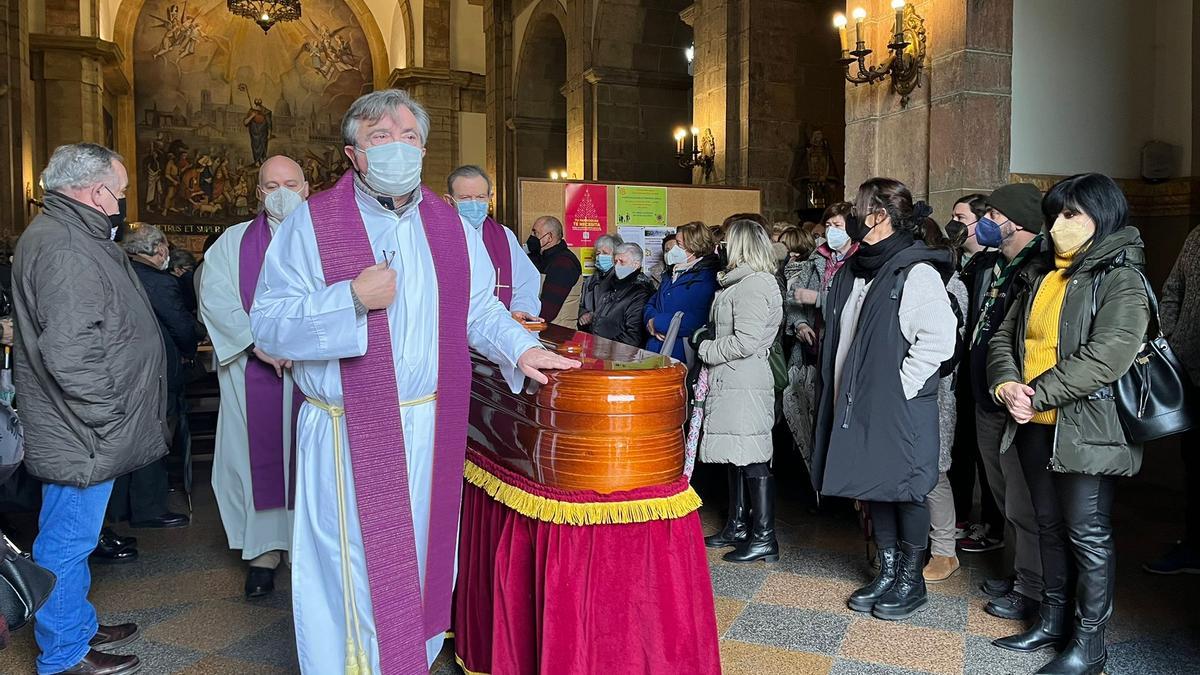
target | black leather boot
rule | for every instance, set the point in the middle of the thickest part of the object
(1050, 630)
(863, 600)
(1085, 655)
(761, 544)
(907, 595)
(736, 528)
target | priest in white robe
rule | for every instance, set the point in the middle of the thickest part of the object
(518, 282)
(374, 289)
(252, 462)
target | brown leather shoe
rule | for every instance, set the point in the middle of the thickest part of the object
(114, 637)
(99, 663)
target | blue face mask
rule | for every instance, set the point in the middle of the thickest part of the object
(473, 211)
(623, 271)
(604, 262)
(987, 233)
(836, 237)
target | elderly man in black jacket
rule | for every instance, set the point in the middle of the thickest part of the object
(141, 497)
(92, 376)
(620, 299)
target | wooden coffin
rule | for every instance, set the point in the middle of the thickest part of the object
(614, 424)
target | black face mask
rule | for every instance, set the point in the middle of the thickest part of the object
(118, 219)
(956, 231)
(856, 227)
(534, 245)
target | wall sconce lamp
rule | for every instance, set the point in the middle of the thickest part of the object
(703, 153)
(561, 174)
(907, 48)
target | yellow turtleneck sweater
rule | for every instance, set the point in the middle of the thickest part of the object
(1041, 334)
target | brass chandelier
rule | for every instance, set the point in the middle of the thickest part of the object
(266, 13)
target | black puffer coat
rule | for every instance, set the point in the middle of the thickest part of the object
(90, 366)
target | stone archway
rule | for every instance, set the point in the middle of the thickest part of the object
(540, 121)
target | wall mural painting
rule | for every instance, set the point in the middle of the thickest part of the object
(216, 96)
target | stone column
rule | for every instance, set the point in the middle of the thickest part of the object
(16, 171)
(953, 137)
(765, 79)
(68, 72)
(444, 93)
(501, 157)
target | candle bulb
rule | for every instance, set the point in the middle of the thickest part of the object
(898, 5)
(859, 15)
(695, 139)
(839, 22)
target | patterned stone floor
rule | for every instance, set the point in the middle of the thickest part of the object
(781, 618)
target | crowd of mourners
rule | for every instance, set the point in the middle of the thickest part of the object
(909, 360)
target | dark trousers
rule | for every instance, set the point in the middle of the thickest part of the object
(894, 522)
(1074, 518)
(140, 495)
(1191, 480)
(966, 464)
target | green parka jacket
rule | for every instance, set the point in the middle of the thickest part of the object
(1093, 352)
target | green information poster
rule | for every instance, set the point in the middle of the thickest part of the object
(641, 206)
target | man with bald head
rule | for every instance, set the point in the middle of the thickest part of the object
(252, 466)
(560, 271)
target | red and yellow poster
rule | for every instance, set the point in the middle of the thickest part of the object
(586, 214)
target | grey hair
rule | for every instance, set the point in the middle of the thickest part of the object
(143, 239)
(747, 243)
(555, 225)
(629, 247)
(611, 241)
(371, 107)
(79, 165)
(467, 171)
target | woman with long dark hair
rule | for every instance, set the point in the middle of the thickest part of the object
(888, 329)
(1052, 364)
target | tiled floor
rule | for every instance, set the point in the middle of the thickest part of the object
(783, 618)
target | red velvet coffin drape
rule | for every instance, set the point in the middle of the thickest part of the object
(534, 596)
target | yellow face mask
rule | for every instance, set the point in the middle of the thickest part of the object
(1071, 233)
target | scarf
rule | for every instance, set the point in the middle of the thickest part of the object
(404, 616)
(264, 391)
(1001, 274)
(870, 258)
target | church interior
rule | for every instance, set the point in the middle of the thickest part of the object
(720, 102)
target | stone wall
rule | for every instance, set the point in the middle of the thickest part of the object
(953, 136)
(765, 79)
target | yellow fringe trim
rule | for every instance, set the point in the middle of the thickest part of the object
(572, 513)
(459, 661)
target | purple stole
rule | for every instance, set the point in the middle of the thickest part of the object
(403, 620)
(264, 390)
(495, 239)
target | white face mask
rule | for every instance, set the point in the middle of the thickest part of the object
(393, 169)
(675, 256)
(280, 203)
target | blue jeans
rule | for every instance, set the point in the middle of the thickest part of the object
(69, 528)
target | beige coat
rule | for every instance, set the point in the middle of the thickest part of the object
(740, 409)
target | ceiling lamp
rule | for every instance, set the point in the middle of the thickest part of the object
(266, 13)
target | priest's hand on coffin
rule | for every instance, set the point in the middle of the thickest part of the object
(535, 360)
(525, 317)
(375, 286)
(278, 364)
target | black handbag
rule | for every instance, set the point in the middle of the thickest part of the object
(24, 585)
(1154, 396)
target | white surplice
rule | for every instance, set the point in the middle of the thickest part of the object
(526, 280)
(220, 304)
(296, 316)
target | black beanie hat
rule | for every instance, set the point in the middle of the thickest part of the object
(1022, 202)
